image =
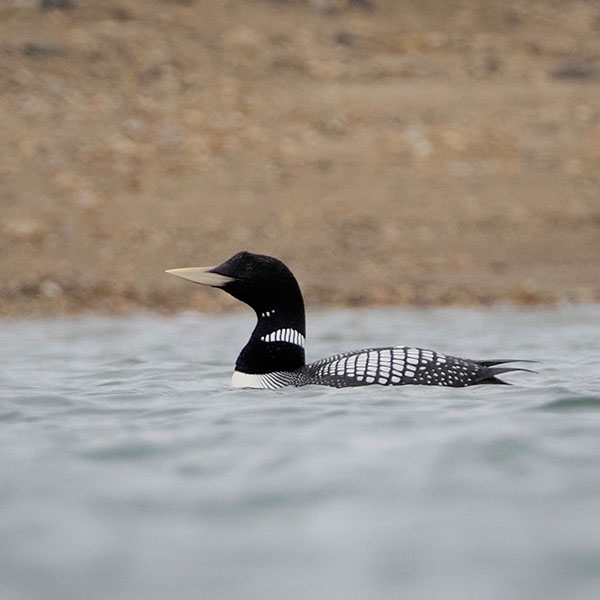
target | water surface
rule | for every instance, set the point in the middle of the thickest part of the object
(129, 469)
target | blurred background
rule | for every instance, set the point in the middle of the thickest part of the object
(390, 152)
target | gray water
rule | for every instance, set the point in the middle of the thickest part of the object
(130, 470)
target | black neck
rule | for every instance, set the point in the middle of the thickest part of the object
(263, 353)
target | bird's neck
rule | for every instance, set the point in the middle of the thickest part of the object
(277, 342)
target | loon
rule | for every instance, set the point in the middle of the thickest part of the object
(274, 355)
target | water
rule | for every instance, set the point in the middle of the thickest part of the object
(131, 470)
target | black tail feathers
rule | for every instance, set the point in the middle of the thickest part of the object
(492, 372)
(501, 361)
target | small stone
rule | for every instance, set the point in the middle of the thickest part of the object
(50, 289)
(364, 4)
(575, 68)
(122, 145)
(42, 51)
(121, 13)
(420, 144)
(344, 38)
(26, 230)
(86, 198)
(484, 62)
(46, 5)
(170, 134)
(23, 77)
(244, 40)
(325, 6)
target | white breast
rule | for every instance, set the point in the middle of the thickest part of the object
(269, 381)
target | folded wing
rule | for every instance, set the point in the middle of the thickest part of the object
(402, 365)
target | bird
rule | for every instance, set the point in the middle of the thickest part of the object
(274, 356)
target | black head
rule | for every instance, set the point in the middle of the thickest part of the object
(270, 288)
(260, 281)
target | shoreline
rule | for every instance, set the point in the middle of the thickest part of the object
(46, 301)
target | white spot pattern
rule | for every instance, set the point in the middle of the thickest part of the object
(396, 365)
(384, 366)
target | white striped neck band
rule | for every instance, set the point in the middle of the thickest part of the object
(285, 335)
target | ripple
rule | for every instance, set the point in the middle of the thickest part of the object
(130, 464)
(573, 403)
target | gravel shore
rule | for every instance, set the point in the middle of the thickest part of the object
(397, 152)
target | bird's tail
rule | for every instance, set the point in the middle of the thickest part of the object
(493, 371)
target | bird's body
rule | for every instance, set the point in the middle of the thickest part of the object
(274, 355)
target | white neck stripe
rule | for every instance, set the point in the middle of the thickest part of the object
(291, 336)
